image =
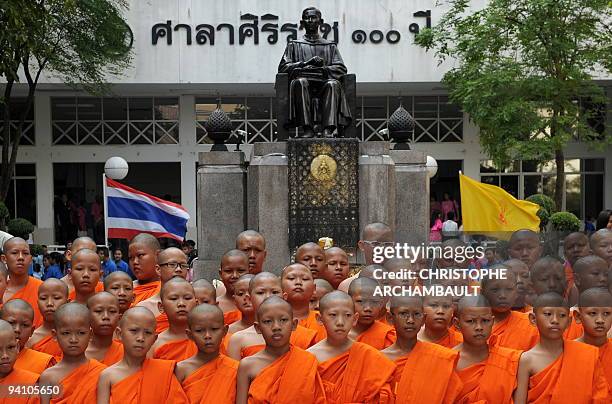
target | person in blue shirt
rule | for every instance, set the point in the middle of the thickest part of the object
(121, 264)
(108, 265)
(54, 270)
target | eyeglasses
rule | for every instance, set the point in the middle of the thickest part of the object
(379, 243)
(174, 265)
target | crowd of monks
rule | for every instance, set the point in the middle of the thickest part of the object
(310, 334)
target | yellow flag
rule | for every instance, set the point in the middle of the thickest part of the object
(487, 208)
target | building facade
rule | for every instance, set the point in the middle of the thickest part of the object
(189, 54)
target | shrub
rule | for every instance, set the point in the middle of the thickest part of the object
(565, 222)
(20, 228)
(544, 201)
(36, 249)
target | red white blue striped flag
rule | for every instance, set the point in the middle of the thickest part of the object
(129, 212)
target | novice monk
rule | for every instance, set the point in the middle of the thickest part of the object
(177, 300)
(52, 294)
(511, 329)
(525, 245)
(488, 372)
(438, 312)
(208, 376)
(248, 341)
(558, 370)
(85, 275)
(120, 285)
(204, 292)
(172, 263)
(142, 253)
(17, 258)
(136, 379)
(20, 315)
(322, 287)
(601, 245)
(595, 315)
(523, 285)
(253, 245)
(352, 372)
(280, 373)
(104, 314)
(312, 256)
(368, 307)
(76, 374)
(78, 244)
(243, 302)
(298, 288)
(10, 375)
(337, 268)
(575, 245)
(234, 264)
(425, 372)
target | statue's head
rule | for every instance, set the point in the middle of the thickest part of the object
(311, 20)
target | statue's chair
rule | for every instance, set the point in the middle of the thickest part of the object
(349, 83)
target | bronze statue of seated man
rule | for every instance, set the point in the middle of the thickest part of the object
(315, 68)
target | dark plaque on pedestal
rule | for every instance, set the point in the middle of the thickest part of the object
(323, 191)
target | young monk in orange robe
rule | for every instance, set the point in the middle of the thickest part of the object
(20, 315)
(78, 244)
(247, 313)
(142, 253)
(575, 246)
(523, 285)
(85, 275)
(298, 287)
(352, 372)
(120, 285)
(280, 373)
(76, 374)
(418, 362)
(17, 258)
(208, 376)
(312, 255)
(438, 328)
(322, 287)
(368, 306)
(337, 268)
(488, 372)
(51, 295)
(234, 264)
(172, 263)
(136, 379)
(10, 375)
(104, 314)
(248, 341)
(595, 315)
(557, 370)
(204, 292)
(511, 329)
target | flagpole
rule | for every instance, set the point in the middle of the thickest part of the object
(105, 210)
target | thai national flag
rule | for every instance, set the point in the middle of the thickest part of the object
(129, 212)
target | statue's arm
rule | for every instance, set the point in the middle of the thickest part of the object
(287, 64)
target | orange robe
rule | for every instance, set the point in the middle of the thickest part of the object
(114, 353)
(72, 294)
(34, 361)
(177, 350)
(231, 316)
(153, 383)
(225, 343)
(574, 331)
(143, 292)
(359, 375)
(515, 332)
(302, 338)
(49, 346)
(492, 380)
(415, 371)
(81, 385)
(605, 358)
(29, 293)
(450, 340)
(525, 309)
(214, 382)
(18, 376)
(379, 335)
(290, 379)
(162, 323)
(312, 323)
(575, 377)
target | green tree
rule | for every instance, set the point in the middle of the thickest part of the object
(80, 42)
(524, 70)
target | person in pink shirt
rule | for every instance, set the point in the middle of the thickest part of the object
(449, 205)
(435, 232)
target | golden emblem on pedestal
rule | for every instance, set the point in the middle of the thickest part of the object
(323, 168)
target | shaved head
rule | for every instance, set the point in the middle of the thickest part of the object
(80, 243)
(363, 285)
(262, 276)
(307, 246)
(70, 310)
(550, 299)
(595, 237)
(83, 252)
(595, 297)
(204, 284)
(468, 302)
(368, 271)
(101, 295)
(249, 234)
(291, 267)
(148, 240)
(586, 262)
(328, 301)
(113, 276)
(6, 329)
(274, 301)
(322, 284)
(18, 304)
(137, 311)
(11, 241)
(164, 254)
(51, 282)
(486, 280)
(377, 232)
(544, 264)
(3, 270)
(204, 309)
(523, 234)
(403, 301)
(173, 281)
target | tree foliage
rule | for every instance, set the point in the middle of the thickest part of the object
(524, 70)
(79, 42)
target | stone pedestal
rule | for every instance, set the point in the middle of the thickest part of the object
(412, 197)
(268, 201)
(377, 185)
(221, 208)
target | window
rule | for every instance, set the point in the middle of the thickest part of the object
(21, 198)
(17, 108)
(103, 121)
